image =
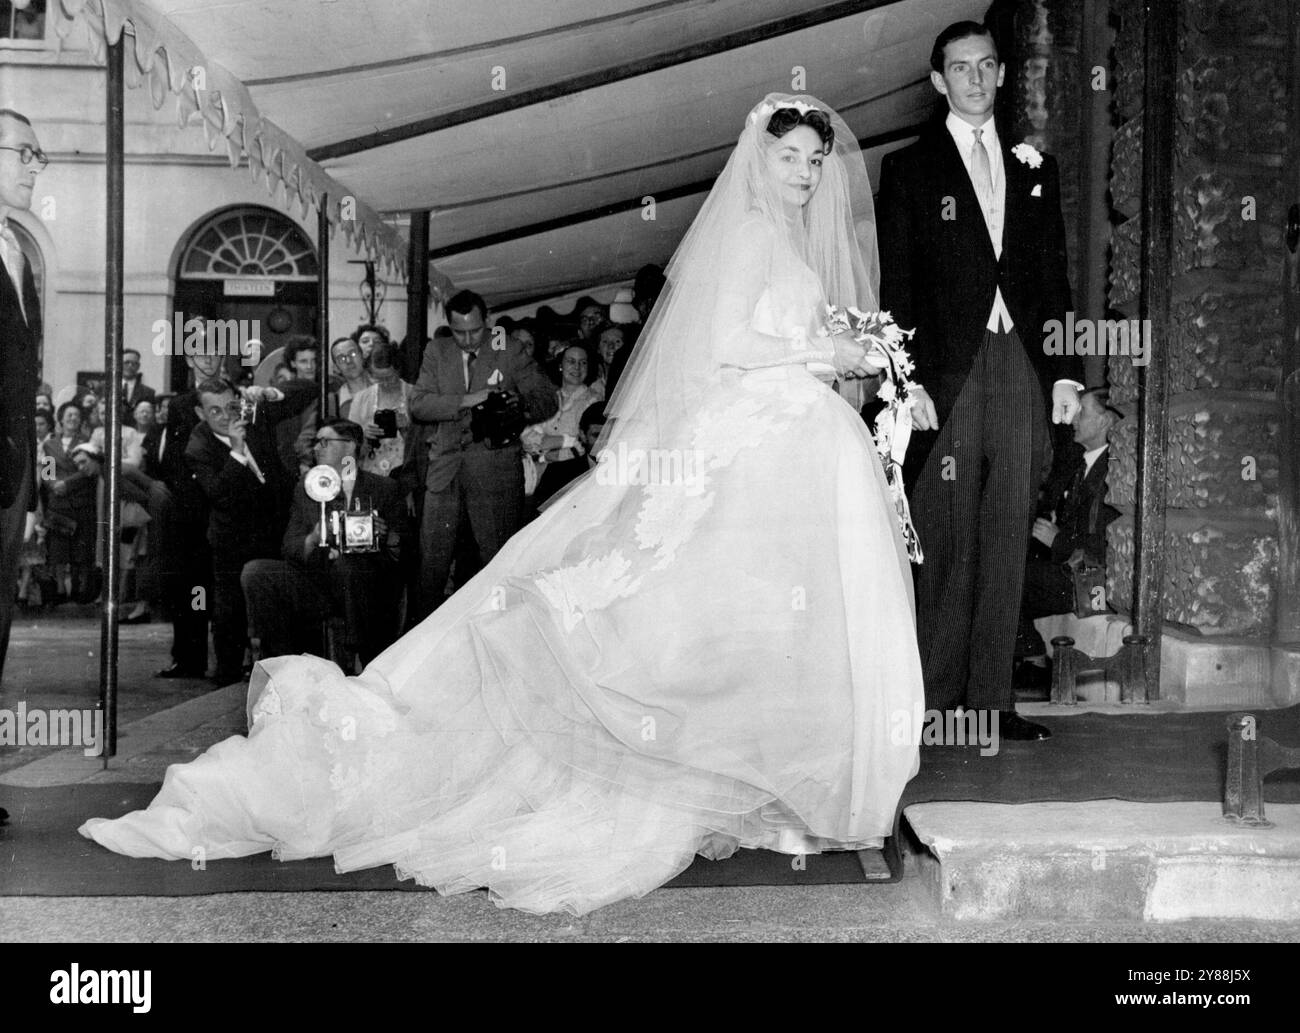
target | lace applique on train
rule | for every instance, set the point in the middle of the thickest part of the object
(590, 585)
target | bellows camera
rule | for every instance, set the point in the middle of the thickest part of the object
(498, 421)
(354, 529)
(350, 531)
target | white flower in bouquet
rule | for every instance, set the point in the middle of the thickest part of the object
(884, 340)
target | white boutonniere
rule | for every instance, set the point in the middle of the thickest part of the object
(1037, 191)
(1028, 154)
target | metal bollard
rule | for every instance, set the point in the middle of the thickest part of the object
(1251, 758)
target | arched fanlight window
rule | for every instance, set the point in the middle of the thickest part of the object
(249, 242)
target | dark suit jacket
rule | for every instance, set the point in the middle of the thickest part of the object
(385, 496)
(940, 275)
(247, 517)
(1083, 515)
(173, 469)
(19, 341)
(140, 392)
(436, 400)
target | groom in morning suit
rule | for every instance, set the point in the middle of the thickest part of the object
(21, 160)
(972, 246)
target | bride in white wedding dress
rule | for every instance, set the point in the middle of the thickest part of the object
(704, 645)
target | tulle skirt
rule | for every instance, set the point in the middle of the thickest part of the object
(683, 655)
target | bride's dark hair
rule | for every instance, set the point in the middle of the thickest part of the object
(785, 119)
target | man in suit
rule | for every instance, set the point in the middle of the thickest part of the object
(1076, 528)
(21, 160)
(469, 481)
(288, 597)
(181, 526)
(972, 248)
(247, 491)
(134, 389)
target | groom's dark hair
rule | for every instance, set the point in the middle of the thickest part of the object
(954, 32)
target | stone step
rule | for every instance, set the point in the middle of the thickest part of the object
(1105, 860)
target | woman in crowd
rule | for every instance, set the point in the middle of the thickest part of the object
(661, 665)
(611, 341)
(388, 394)
(144, 417)
(70, 510)
(555, 444)
(34, 586)
(367, 335)
(132, 439)
(44, 423)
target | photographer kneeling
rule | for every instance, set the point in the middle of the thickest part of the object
(352, 571)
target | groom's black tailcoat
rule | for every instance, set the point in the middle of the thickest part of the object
(938, 271)
(939, 275)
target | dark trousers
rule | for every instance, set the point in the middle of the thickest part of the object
(229, 614)
(184, 563)
(13, 521)
(287, 602)
(488, 494)
(1049, 590)
(973, 506)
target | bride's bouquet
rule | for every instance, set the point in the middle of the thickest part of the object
(884, 341)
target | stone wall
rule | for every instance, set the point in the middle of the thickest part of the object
(1227, 324)
(1046, 113)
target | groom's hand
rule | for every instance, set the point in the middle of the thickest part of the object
(1065, 402)
(924, 415)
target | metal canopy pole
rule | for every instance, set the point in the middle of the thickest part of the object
(417, 292)
(110, 527)
(1154, 300)
(323, 308)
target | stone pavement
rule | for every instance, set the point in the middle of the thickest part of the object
(977, 872)
(145, 747)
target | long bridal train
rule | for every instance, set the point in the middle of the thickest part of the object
(656, 667)
(639, 676)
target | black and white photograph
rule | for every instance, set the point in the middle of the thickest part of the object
(652, 471)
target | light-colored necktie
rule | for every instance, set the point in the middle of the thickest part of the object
(12, 253)
(982, 173)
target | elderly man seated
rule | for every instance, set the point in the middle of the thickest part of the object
(1069, 531)
(288, 598)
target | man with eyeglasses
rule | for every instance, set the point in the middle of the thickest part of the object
(134, 389)
(289, 597)
(21, 159)
(234, 462)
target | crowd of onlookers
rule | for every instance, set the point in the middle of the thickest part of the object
(442, 451)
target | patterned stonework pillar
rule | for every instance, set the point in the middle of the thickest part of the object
(1046, 112)
(1230, 201)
